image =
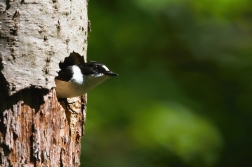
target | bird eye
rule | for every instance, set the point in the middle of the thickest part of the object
(95, 67)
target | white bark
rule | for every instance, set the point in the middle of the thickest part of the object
(36, 35)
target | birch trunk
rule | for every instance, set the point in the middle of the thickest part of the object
(35, 36)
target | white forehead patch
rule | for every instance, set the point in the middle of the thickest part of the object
(106, 68)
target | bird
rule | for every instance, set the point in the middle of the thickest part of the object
(76, 80)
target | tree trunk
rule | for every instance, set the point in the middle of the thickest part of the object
(35, 36)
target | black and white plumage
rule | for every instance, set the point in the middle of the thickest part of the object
(76, 80)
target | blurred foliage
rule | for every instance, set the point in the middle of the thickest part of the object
(183, 97)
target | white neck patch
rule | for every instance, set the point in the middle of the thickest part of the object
(77, 75)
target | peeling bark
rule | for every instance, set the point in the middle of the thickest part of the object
(47, 137)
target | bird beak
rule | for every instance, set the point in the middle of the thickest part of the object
(110, 73)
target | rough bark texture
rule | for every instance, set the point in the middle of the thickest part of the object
(35, 36)
(37, 131)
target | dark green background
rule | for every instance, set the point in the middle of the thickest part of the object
(183, 97)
